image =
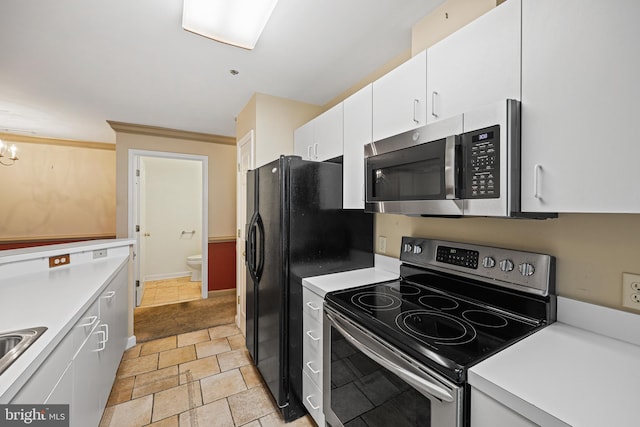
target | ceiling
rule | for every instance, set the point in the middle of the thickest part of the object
(67, 66)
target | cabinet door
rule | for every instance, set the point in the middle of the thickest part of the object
(399, 98)
(328, 134)
(85, 407)
(113, 320)
(580, 90)
(357, 133)
(477, 65)
(303, 141)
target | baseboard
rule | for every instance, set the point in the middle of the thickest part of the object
(163, 276)
(131, 342)
(222, 292)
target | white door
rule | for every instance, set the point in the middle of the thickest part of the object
(245, 162)
(139, 214)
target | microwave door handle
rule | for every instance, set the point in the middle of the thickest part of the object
(450, 163)
(422, 385)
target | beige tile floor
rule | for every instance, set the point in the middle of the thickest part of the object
(168, 291)
(203, 378)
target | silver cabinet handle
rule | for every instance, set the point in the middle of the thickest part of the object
(315, 371)
(433, 104)
(108, 295)
(415, 110)
(103, 342)
(315, 408)
(312, 307)
(537, 169)
(315, 151)
(312, 337)
(308, 151)
(91, 319)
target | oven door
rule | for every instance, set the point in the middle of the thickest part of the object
(367, 382)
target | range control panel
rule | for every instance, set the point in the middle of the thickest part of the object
(527, 271)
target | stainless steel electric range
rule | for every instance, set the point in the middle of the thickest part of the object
(398, 352)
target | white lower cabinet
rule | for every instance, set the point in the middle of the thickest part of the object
(81, 369)
(312, 354)
(488, 412)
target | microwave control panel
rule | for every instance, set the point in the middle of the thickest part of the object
(481, 157)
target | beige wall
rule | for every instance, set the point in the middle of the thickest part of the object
(592, 250)
(57, 189)
(274, 120)
(222, 177)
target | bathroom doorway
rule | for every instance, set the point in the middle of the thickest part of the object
(168, 218)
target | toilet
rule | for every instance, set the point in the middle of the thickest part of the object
(195, 262)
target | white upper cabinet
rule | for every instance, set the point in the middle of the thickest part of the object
(357, 133)
(399, 98)
(303, 139)
(321, 138)
(477, 65)
(580, 93)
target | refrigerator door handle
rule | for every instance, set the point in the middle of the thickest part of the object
(251, 247)
(260, 257)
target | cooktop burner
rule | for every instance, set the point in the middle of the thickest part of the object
(454, 331)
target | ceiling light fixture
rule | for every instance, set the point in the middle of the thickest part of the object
(8, 152)
(235, 22)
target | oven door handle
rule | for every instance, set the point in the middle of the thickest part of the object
(424, 386)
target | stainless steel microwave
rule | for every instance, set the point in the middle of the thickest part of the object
(467, 165)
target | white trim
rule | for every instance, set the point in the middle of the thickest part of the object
(131, 342)
(133, 155)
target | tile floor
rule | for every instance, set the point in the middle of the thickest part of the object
(168, 291)
(203, 378)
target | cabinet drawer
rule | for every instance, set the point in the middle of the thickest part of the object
(312, 399)
(312, 304)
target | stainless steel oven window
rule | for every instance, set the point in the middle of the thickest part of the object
(367, 382)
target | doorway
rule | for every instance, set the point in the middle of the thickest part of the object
(168, 218)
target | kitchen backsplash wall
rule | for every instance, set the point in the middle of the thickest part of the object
(592, 250)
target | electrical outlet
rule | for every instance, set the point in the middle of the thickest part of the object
(99, 253)
(631, 290)
(57, 261)
(382, 244)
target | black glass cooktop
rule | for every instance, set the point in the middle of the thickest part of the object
(446, 332)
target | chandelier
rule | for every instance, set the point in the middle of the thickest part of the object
(7, 154)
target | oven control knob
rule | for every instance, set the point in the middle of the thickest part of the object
(408, 248)
(417, 249)
(506, 265)
(526, 269)
(488, 262)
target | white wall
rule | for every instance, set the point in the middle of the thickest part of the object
(173, 203)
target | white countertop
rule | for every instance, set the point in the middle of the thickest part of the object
(386, 269)
(52, 297)
(567, 375)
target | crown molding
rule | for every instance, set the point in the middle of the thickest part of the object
(57, 141)
(170, 133)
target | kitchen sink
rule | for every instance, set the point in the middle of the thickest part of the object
(14, 343)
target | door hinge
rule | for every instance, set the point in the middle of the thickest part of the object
(137, 172)
(137, 283)
(239, 232)
(238, 299)
(137, 228)
(238, 167)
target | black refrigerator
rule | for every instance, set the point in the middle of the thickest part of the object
(296, 228)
